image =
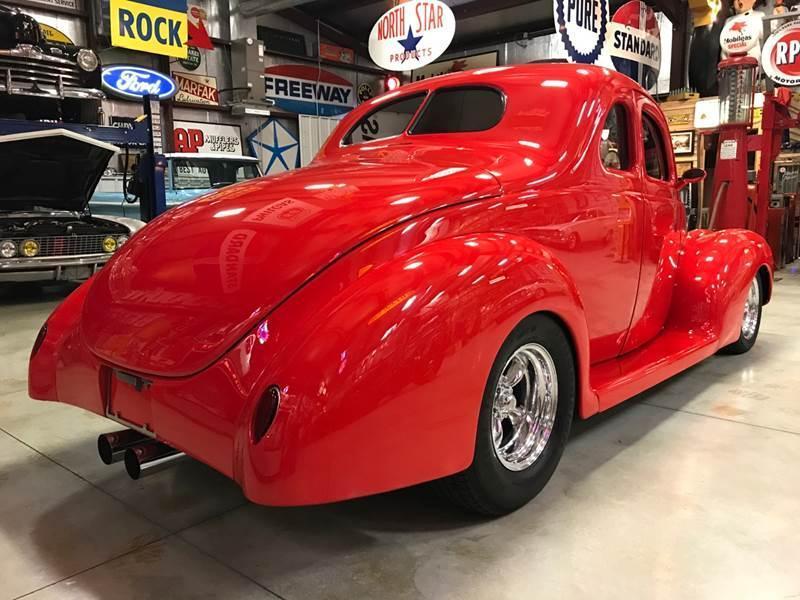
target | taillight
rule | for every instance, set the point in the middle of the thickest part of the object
(265, 412)
(39, 340)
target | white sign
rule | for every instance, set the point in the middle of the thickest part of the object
(582, 25)
(206, 138)
(412, 35)
(781, 56)
(728, 150)
(742, 34)
(455, 65)
(706, 113)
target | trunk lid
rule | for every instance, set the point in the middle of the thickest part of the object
(192, 283)
(55, 169)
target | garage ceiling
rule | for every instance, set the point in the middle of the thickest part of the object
(480, 22)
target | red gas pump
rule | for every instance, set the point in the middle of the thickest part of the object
(732, 206)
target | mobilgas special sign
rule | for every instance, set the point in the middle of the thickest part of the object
(582, 25)
(634, 43)
(308, 90)
(780, 57)
(412, 35)
(155, 26)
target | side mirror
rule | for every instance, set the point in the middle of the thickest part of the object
(691, 176)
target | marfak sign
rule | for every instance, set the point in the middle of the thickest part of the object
(155, 26)
(196, 89)
(582, 25)
(134, 82)
(308, 90)
(412, 35)
(780, 57)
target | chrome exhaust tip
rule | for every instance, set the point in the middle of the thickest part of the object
(111, 446)
(150, 457)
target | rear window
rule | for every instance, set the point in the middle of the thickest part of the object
(386, 121)
(458, 110)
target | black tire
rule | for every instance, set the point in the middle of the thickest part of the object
(487, 487)
(744, 343)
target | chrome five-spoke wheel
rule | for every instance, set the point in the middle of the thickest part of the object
(524, 407)
(752, 310)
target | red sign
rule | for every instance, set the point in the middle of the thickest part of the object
(780, 57)
(196, 27)
(196, 89)
(336, 53)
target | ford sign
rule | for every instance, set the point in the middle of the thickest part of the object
(133, 82)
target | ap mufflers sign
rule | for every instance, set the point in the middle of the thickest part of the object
(155, 26)
(582, 25)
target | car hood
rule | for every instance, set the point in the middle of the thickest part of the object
(55, 169)
(193, 282)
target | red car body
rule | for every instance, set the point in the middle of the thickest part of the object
(375, 286)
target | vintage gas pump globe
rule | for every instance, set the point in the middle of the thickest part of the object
(737, 79)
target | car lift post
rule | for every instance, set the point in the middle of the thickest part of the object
(151, 171)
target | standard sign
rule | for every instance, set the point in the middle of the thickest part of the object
(308, 90)
(412, 35)
(582, 25)
(634, 43)
(780, 57)
(155, 26)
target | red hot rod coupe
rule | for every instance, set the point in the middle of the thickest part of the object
(405, 308)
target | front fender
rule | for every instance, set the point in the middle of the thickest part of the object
(713, 278)
(383, 364)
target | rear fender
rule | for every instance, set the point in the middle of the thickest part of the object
(383, 368)
(713, 279)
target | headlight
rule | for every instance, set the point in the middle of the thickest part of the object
(87, 60)
(109, 244)
(121, 240)
(30, 248)
(8, 249)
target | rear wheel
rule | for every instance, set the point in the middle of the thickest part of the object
(751, 320)
(524, 421)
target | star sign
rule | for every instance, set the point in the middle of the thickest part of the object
(410, 42)
(281, 146)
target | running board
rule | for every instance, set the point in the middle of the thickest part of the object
(671, 352)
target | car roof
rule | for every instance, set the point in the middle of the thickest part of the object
(211, 155)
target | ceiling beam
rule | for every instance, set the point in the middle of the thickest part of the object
(476, 8)
(306, 21)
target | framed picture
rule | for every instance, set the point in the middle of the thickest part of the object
(683, 142)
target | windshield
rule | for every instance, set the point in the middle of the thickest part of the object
(207, 173)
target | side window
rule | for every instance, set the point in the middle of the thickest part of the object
(386, 121)
(655, 161)
(614, 151)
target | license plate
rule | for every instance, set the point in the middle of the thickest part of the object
(129, 401)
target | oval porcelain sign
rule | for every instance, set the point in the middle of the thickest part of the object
(136, 82)
(412, 35)
(780, 57)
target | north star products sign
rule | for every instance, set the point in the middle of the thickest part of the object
(634, 43)
(196, 89)
(780, 57)
(412, 35)
(582, 25)
(308, 90)
(155, 26)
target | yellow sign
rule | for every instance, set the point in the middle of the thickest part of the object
(155, 26)
(51, 34)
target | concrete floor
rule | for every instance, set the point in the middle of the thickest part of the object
(691, 490)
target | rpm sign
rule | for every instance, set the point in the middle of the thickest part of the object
(780, 57)
(582, 25)
(411, 35)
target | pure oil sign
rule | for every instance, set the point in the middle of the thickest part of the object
(155, 26)
(582, 25)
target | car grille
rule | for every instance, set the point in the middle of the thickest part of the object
(65, 245)
(28, 67)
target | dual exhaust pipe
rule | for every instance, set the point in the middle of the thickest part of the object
(142, 454)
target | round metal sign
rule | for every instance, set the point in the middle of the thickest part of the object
(582, 25)
(780, 57)
(634, 43)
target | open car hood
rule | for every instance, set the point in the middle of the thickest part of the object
(55, 169)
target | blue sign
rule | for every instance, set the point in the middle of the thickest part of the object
(134, 82)
(582, 26)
